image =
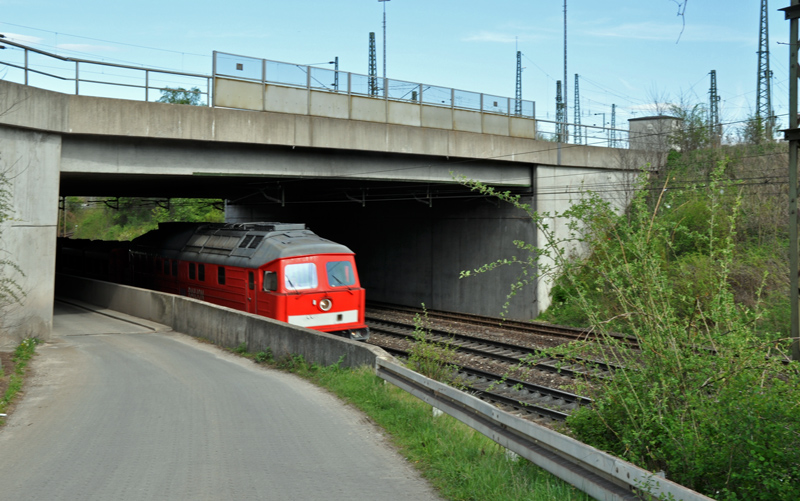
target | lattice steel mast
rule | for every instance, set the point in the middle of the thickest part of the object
(764, 93)
(560, 114)
(576, 110)
(612, 133)
(714, 127)
(373, 66)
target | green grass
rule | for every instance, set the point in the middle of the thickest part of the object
(22, 354)
(460, 462)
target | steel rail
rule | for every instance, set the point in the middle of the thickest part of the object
(508, 353)
(511, 392)
(538, 328)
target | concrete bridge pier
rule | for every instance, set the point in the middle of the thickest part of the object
(30, 161)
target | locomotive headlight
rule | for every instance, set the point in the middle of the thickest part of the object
(325, 304)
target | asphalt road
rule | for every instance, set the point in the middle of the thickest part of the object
(118, 411)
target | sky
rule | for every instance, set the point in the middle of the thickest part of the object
(629, 53)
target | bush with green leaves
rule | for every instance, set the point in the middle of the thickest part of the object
(708, 398)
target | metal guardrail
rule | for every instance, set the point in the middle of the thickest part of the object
(28, 71)
(596, 473)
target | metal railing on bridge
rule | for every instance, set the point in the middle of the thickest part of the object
(39, 68)
(43, 69)
(265, 71)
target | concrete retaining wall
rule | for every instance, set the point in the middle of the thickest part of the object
(223, 326)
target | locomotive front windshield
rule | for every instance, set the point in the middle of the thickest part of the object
(300, 276)
(340, 273)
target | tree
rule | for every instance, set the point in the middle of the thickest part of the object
(755, 131)
(180, 95)
(693, 133)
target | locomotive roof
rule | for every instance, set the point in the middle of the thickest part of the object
(248, 245)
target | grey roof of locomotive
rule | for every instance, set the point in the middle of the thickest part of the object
(246, 245)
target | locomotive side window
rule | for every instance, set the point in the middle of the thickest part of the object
(251, 280)
(191, 271)
(300, 276)
(340, 273)
(270, 281)
(201, 272)
(166, 267)
(221, 275)
(174, 268)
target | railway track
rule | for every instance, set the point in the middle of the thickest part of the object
(504, 353)
(535, 328)
(528, 401)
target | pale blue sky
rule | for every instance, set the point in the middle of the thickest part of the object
(626, 51)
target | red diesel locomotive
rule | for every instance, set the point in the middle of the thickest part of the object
(278, 270)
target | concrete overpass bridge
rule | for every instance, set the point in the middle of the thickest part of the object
(369, 172)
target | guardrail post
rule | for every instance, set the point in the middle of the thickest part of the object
(147, 85)
(77, 78)
(26, 66)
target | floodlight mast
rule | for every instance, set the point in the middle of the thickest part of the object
(384, 37)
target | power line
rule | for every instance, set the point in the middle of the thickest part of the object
(108, 41)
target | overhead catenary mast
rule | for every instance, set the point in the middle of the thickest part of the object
(560, 112)
(373, 67)
(764, 93)
(714, 127)
(612, 135)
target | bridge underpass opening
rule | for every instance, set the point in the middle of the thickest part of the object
(411, 240)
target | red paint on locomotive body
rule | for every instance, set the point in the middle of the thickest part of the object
(280, 271)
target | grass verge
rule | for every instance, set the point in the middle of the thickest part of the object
(458, 461)
(16, 375)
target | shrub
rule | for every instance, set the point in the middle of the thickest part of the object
(707, 398)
